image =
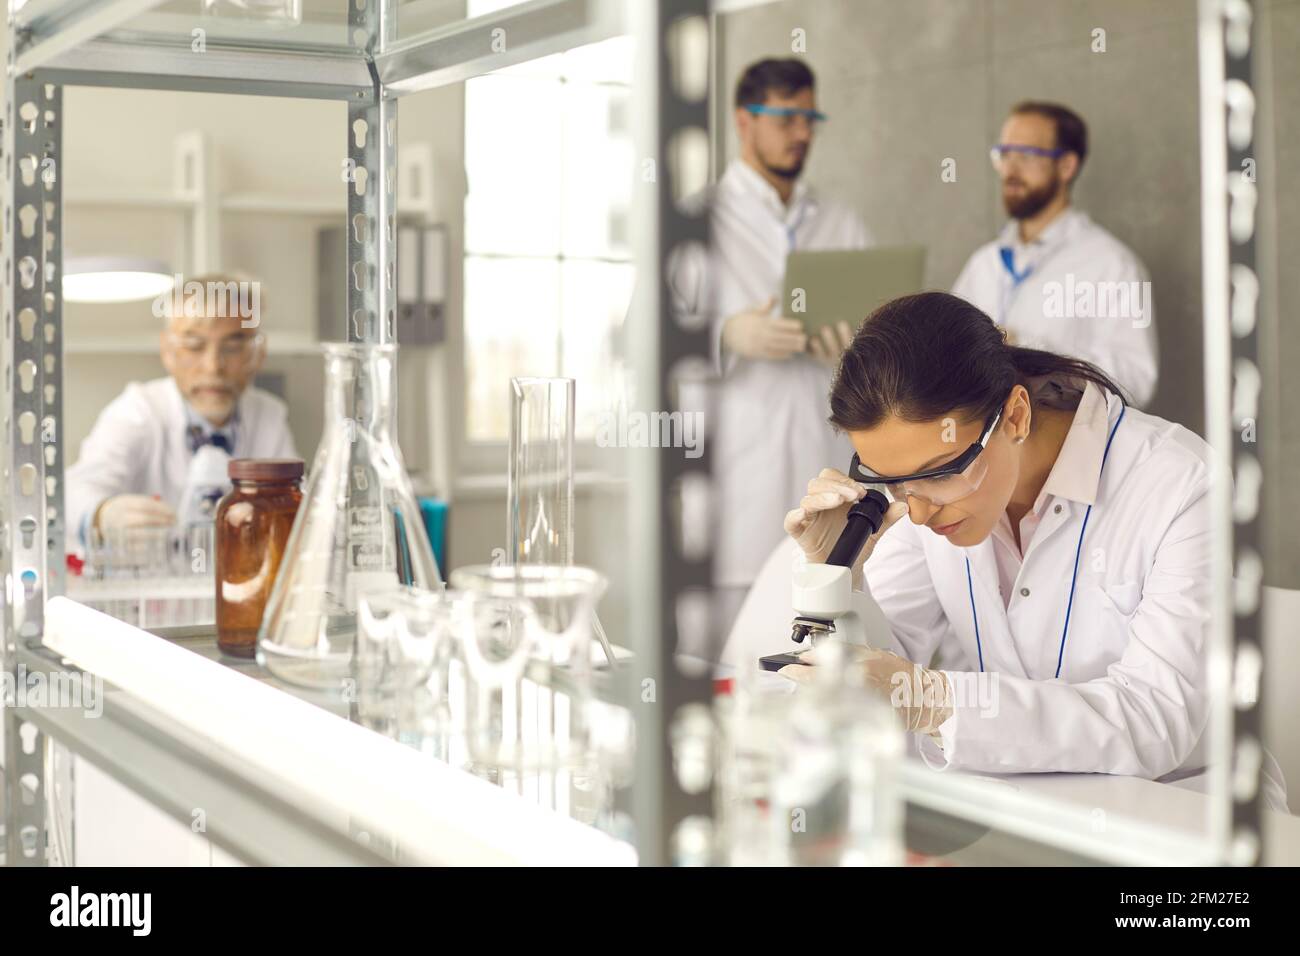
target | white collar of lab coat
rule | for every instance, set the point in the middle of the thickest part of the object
(1077, 471)
(746, 181)
(1065, 226)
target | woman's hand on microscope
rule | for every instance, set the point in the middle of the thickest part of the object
(820, 518)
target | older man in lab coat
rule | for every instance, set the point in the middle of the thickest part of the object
(135, 464)
(1053, 278)
(772, 402)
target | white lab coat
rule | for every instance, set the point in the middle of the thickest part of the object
(771, 416)
(1067, 302)
(1132, 694)
(138, 446)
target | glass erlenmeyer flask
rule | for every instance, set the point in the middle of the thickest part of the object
(359, 528)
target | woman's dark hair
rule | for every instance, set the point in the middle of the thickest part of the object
(923, 356)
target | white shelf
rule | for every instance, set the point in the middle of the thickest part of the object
(234, 203)
(284, 205)
(147, 200)
(286, 344)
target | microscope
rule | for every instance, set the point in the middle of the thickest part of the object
(823, 596)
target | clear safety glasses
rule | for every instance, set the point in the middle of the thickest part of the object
(941, 485)
(1005, 154)
(231, 350)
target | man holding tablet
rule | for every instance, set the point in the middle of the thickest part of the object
(772, 419)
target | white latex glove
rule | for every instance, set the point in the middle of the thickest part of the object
(921, 697)
(133, 511)
(830, 342)
(820, 518)
(757, 334)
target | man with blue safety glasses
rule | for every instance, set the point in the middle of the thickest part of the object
(771, 416)
(1054, 279)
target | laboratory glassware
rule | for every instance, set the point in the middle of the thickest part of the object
(539, 479)
(525, 643)
(148, 576)
(359, 528)
(404, 646)
(131, 552)
(809, 772)
(253, 522)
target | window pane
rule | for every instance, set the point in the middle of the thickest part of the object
(513, 164)
(595, 297)
(511, 328)
(610, 61)
(599, 167)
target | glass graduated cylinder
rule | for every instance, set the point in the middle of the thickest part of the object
(539, 489)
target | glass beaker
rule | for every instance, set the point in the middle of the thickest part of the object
(525, 645)
(404, 646)
(359, 529)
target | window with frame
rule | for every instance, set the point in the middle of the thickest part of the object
(548, 263)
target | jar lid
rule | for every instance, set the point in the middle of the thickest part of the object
(265, 469)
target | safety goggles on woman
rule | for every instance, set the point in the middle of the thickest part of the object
(941, 485)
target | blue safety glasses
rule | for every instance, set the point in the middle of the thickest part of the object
(1004, 152)
(785, 115)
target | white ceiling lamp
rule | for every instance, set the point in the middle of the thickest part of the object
(114, 279)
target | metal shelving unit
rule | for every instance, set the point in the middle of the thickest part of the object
(122, 43)
(365, 62)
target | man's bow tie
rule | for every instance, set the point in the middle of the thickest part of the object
(198, 439)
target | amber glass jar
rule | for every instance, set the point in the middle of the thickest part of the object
(252, 527)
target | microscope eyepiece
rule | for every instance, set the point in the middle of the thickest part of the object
(863, 521)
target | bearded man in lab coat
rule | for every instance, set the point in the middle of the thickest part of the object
(771, 404)
(135, 463)
(1054, 279)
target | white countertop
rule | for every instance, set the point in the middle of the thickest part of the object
(1112, 806)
